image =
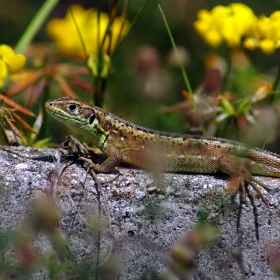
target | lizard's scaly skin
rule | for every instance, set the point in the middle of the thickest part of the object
(124, 141)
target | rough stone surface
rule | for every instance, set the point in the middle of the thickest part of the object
(147, 217)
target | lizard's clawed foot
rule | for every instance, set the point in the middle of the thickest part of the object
(236, 182)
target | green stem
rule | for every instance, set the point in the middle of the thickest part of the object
(98, 28)
(176, 51)
(119, 43)
(99, 94)
(35, 25)
(186, 79)
(124, 18)
(32, 29)
(275, 84)
(78, 31)
(266, 137)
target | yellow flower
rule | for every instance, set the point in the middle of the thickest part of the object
(9, 62)
(266, 35)
(65, 32)
(225, 23)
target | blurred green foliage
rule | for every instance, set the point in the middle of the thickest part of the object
(131, 92)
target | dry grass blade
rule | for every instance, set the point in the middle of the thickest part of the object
(65, 87)
(22, 86)
(16, 106)
(13, 128)
(79, 70)
(81, 83)
(24, 123)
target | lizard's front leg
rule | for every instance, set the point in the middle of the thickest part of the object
(72, 148)
(113, 160)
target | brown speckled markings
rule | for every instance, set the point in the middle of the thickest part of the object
(124, 141)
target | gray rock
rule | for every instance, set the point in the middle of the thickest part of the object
(140, 217)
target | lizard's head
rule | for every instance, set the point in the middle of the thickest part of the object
(78, 115)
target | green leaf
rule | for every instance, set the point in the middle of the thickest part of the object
(43, 143)
(37, 126)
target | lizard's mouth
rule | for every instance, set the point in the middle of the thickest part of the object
(62, 117)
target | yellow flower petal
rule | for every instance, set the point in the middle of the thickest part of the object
(65, 34)
(15, 63)
(263, 26)
(213, 39)
(266, 34)
(118, 30)
(267, 46)
(219, 12)
(274, 33)
(251, 43)
(225, 23)
(3, 69)
(275, 16)
(6, 51)
(54, 28)
(244, 18)
(227, 28)
(201, 27)
(204, 15)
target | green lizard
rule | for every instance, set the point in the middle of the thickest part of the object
(123, 141)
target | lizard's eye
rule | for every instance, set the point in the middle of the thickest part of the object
(72, 107)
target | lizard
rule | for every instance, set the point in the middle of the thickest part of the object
(123, 141)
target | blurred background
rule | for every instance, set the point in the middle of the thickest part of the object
(145, 84)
